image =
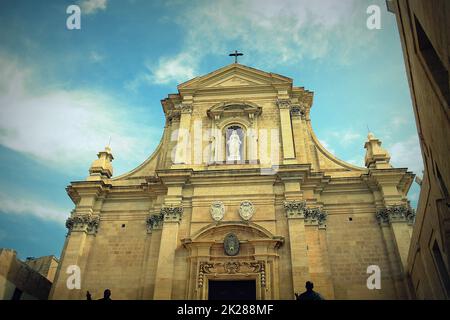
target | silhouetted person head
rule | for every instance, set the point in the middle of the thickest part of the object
(309, 294)
(107, 294)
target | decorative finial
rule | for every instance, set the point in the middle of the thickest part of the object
(376, 156)
(102, 167)
(108, 147)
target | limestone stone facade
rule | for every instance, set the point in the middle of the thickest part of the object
(286, 212)
(424, 28)
(29, 280)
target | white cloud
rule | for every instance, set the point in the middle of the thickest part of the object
(179, 69)
(20, 205)
(356, 161)
(174, 69)
(413, 196)
(327, 147)
(92, 6)
(96, 57)
(407, 154)
(346, 137)
(271, 32)
(66, 128)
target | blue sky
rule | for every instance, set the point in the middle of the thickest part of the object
(63, 92)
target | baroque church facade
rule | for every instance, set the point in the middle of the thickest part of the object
(239, 200)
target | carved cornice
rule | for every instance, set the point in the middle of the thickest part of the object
(172, 213)
(235, 108)
(78, 189)
(83, 223)
(398, 213)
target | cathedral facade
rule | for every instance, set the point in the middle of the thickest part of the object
(239, 200)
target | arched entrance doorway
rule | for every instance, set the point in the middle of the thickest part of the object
(251, 273)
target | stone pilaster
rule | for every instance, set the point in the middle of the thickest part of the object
(295, 213)
(286, 130)
(154, 224)
(166, 260)
(298, 116)
(214, 140)
(252, 152)
(182, 153)
(395, 223)
(399, 218)
(81, 229)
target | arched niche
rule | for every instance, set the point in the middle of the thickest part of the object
(235, 149)
(238, 115)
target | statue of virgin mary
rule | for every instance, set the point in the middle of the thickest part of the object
(234, 146)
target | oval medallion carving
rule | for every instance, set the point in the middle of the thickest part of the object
(231, 244)
(246, 210)
(217, 210)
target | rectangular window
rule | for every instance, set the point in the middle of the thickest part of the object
(433, 62)
(441, 268)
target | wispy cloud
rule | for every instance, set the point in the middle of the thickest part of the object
(346, 136)
(96, 57)
(13, 204)
(357, 161)
(327, 147)
(65, 128)
(407, 154)
(175, 69)
(179, 68)
(93, 6)
(271, 32)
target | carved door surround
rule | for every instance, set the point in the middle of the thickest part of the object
(257, 260)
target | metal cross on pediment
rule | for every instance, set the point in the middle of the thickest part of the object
(235, 54)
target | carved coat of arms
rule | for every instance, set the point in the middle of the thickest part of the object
(246, 210)
(217, 210)
(231, 244)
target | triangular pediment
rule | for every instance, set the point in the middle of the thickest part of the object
(233, 76)
(233, 81)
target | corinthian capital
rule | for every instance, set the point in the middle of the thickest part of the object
(298, 111)
(184, 108)
(155, 221)
(284, 103)
(295, 208)
(172, 213)
(83, 223)
(397, 213)
(315, 216)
